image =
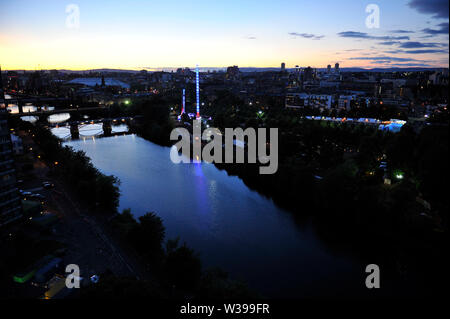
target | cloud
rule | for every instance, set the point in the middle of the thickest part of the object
(401, 31)
(307, 35)
(353, 50)
(443, 29)
(426, 51)
(393, 61)
(426, 36)
(438, 8)
(381, 62)
(418, 45)
(383, 58)
(389, 42)
(250, 38)
(411, 65)
(363, 35)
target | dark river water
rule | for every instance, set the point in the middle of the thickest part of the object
(227, 223)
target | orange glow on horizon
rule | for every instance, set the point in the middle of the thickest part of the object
(84, 51)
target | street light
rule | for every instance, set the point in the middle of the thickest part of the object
(399, 174)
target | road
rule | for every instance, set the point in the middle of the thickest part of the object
(88, 239)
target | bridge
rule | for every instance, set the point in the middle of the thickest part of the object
(107, 124)
(21, 100)
(58, 111)
(35, 99)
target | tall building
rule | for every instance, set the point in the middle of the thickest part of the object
(336, 68)
(233, 71)
(308, 74)
(283, 66)
(10, 205)
(329, 69)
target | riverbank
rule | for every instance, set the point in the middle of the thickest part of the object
(398, 256)
(163, 268)
(228, 224)
(335, 170)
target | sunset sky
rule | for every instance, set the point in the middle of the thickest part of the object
(250, 33)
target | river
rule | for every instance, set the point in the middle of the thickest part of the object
(228, 224)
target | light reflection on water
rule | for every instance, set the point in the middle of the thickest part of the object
(14, 108)
(87, 130)
(58, 118)
(90, 129)
(28, 108)
(61, 132)
(31, 119)
(231, 226)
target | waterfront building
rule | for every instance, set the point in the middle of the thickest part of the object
(300, 100)
(10, 204)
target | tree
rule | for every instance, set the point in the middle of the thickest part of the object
(182, 266)
(147, 236)
(107, 192)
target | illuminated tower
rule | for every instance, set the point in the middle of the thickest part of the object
(197, 89)
(183, 109)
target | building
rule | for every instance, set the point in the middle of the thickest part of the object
(345, 101)
(232, 72)
(308, 74)
(336, 68)
(329, 69)
(300, 100)
(100, 81)
(283, 66)
(10, 204)
(17, 144)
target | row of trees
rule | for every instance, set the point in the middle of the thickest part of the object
(331, 174)
(333, 170)
(75, 168)
(332, 165)
(176, 268)
(156, 124)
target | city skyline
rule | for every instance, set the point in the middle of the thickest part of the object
(224, 158)
(143, 35)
